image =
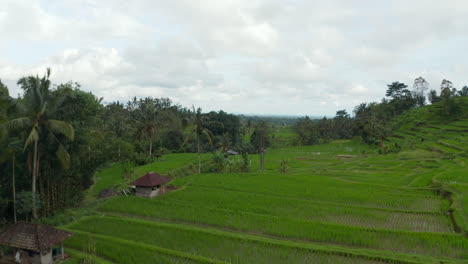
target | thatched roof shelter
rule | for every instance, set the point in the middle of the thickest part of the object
(150, 179)
(32, 236)
(150, 185)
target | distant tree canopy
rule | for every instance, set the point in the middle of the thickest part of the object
(311, 131)
(373, 122)
(225, 127)
(261, 136)
(55, 137)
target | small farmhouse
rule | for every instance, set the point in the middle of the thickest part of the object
(150, 185)
(33, 242)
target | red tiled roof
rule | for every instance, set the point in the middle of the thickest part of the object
(31, 236)
(150, 179)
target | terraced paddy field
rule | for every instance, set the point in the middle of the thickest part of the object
(406, 207)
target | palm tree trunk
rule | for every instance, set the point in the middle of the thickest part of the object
(150, 148)
(198, 150)
(14, 189)
(262, 159)
(34, 177)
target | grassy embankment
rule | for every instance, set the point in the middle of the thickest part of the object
(405, 207)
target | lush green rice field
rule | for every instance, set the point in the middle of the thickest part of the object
(367, 208)
(113, 175)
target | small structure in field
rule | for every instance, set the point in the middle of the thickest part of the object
(232, 152)
(33, 242)
(150, 185)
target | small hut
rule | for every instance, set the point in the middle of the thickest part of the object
(33, 242)
(150, 185)
(232, 152)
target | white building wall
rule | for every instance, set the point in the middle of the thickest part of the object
(146, 192)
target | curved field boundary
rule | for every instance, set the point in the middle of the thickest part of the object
(367, 254)
(337, 204)
(77, 254)
(149, 248)
(439, 244)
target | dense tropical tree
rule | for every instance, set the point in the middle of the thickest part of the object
(401, 98)
(12, 146)
(307, 131)
(420, 86)
(147, 122)
(39, 105)
(343, 125)
(397, 90)
(463, 92)
(260, 139)
(199, 130)
(446, 89)
(433, 97)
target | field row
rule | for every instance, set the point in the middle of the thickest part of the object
(434, 244)
(176, 243)
(209, 198)
(319, 188)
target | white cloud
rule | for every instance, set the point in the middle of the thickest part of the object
(310, 57)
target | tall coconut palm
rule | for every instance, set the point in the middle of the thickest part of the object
(11, 147)
(39, 104)
(147, 122)
(198, 131)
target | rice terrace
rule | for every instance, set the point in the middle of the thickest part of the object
(260, 131)
(408, 207)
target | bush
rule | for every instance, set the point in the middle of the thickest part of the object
(141, 159)
(218, 162)
(284, 165)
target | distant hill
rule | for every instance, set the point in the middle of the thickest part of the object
(444, 143)
(426, 128)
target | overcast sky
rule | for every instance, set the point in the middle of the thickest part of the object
(244, 56)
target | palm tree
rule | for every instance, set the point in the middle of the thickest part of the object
(225, 142)
(9, 145)
(199, 130)
(39, 104)
(147, 122)
(260, 139)
(12, 146)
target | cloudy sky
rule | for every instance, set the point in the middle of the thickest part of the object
(292, 57)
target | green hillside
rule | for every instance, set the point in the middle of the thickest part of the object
(426, 132)
(343, 202)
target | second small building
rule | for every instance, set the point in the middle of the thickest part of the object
(150, 185)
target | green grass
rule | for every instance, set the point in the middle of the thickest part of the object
(296, 229)
(369, 208)
(166, 165)
(231, 247)
(123, 251)
(77, 256)
(107, 177)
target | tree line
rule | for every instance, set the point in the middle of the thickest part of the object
(54, 137)
(374, 121)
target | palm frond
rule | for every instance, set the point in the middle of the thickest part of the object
(33, 136)
(63, 156)
(207, 133)
(61, 127)
(15, 143)
(19, 123)
(3, 132)
(188, 137)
